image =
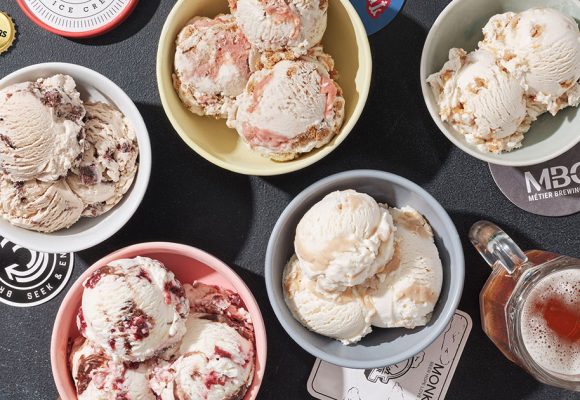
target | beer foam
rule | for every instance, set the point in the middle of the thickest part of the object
(547, 349)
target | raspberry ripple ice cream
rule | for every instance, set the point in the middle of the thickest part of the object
(527, 63)
(148, 337)
(98, 377)
(290, 109)
(212, 65)
(291, 26)
(133, 308)
(360, 264)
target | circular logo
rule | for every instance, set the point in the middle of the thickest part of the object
(29, 278)
(551, 189)
(7, 32)
(77, 18)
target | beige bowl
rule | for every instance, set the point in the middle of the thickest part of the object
(345, 39)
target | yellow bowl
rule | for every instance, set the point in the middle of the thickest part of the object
(345, 39)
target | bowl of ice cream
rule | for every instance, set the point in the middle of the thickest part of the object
(364, 269)
(184, 323)
(253, 122)
(73, 185)
(500, 78)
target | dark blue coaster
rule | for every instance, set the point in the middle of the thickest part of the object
(376, 14)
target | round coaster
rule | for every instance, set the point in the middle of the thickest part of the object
(29, 278)
(7, 32)
(551, 189)
(78, 18)
(376, 14)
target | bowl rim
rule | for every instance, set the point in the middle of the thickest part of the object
(285, 167)
(62, 382)
(447, 130)
(65, 244)
(456, 279)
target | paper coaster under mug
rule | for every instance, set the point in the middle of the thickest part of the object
(427, 375)
(29, 278)
(376, 14)
(77, 18)
(551, 189)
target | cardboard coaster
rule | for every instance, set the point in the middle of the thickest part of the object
(425, 376)
(29, 278)
(551, 189)
(77, 18)
(376, 14)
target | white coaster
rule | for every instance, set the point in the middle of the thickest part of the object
(425, 376)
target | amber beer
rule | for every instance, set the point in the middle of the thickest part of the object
(530, 307)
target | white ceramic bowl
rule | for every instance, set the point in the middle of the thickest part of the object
(460, 25)
(87, 232)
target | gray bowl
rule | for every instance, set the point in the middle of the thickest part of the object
(383, 346)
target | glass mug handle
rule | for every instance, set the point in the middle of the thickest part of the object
(496, 247)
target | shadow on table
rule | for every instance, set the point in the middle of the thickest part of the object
(137, 20)
(395, 132)
(188, 200)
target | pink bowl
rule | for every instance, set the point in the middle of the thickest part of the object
(188, 264)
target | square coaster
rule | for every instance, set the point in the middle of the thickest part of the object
(426, 376)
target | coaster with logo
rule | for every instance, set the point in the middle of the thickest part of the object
(78, 18)
(29, 278)
(426, 375)
(376, 14)
(551, 189)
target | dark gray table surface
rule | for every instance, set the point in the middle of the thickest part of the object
(192, 201)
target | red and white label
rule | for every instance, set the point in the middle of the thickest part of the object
(376, 7)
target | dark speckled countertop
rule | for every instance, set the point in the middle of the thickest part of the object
(194, 202)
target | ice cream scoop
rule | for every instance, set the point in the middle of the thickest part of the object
(40, 128)
(481, 100)
(109, 161)
(408, 294)
(290, 109)
(133, 308)
(540, 47)
(281, 25)
(344, 240)
(227, 306)
(40, 206)
(345, 317)
(212, 65)
(215, 363)
(98, 377)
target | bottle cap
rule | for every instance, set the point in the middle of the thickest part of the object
(78, 18)
(7, 32)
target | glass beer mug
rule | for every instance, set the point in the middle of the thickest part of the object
(530, 306)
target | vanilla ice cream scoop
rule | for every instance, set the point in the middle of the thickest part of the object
(408, 294)
(39, 206)
(343, 240)
(98, 377)
(40, 128)
(212, 65)
(541, 48)
(281, 25)
(133, 308)
(109, 161)
(481, 101)
(288, 110)
(345, 317)
(215, 363)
